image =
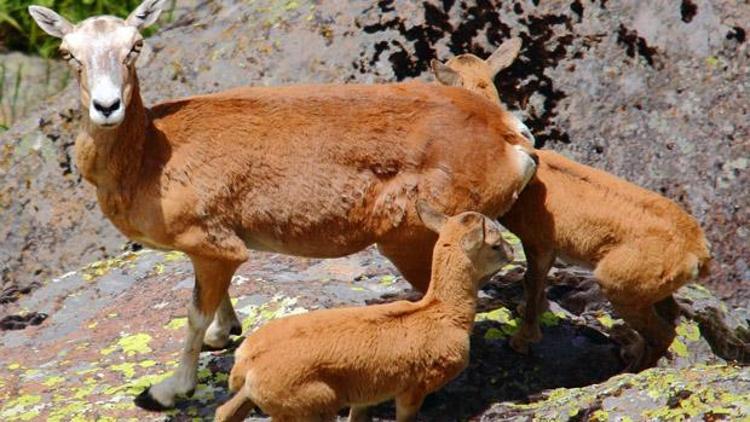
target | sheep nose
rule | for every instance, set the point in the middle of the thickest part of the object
(107, 109)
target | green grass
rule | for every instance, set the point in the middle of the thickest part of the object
(19, 32)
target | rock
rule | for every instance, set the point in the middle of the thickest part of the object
(717, 392)
(117, 325)
(25, 81)
(631, 87)
(728, 332)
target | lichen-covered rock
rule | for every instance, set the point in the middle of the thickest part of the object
(117, 326)
(635, 87)
(698, 393)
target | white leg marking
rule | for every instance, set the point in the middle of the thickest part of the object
(185, 377)
(218, 332)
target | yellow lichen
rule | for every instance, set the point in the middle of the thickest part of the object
(100, 268)
(279, 306)
(130, 344)
(176, 324)
(53, 381)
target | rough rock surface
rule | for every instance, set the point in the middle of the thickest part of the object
(25, 81)
(654, 91)
(116, 326)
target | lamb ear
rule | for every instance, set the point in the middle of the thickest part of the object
(50, 21)
(146, 14)
(444, 74)
(432, 219)
(504, 56)
(474, 239)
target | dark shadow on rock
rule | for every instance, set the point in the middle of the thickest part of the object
(568, 356)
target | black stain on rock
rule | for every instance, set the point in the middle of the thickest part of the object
(688, 10)
(19, 322)
(545, 43)
(577, 8)
(737, 33)
(634, 44)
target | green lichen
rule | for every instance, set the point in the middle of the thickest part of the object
(606, 320)
(501, 315)
(599, 416)
(508, 324)
(174, 256)
(100, 268)
(551, 319)
(53, 381)
(69, 412)
(137, 385)
(130, 345)
(494, 334)
(689, 330)
(279, 306)
(176, 324)
(679, 348)
(21, 408)
(387, 280)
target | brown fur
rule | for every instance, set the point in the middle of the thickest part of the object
(319, 171)
(307, 367)
(642, 246)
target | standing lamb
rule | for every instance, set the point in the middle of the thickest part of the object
(317, 171)
(307, 367)
(641, 245)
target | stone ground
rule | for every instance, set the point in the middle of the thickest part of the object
(650, 90)
(116, 326)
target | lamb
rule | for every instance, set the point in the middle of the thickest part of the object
(642, 246)
(307, 367)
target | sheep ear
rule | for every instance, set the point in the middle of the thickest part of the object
(432, 219)
(146, 14)
(504, 56)
(444, 74)
(474, 239)
(50, 21)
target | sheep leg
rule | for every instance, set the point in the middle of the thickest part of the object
(534, 283)
(408, 405)
(225, 323)
(414, 261)
(212, 277)
(236, 409)
(359, 414)
(656, 332)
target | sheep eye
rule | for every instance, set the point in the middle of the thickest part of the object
(69, 58)
(137, 47)
(134, 51)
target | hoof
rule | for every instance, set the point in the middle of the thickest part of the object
(519, 345)
(235, 330)
(145, 401)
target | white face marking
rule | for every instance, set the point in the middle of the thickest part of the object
(102, 45)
